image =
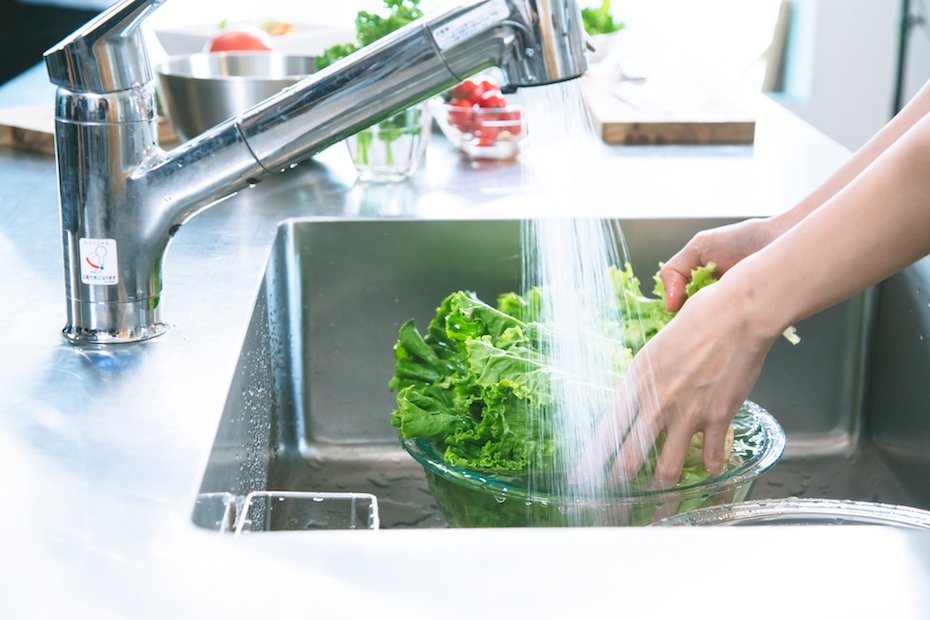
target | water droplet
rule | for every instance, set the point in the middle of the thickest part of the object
(168, 198)
(294, 165)
(318, 499)
(251, 185)
(282, 169)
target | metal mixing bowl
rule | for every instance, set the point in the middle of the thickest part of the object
(811, 511)
(199, 91)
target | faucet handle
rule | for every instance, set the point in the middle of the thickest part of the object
(106, 54)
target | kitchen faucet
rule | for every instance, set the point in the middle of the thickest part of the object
(122, 197)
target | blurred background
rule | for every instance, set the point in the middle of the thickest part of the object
(844, 66)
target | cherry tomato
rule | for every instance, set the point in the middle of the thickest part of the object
(462, 115)
(492, 99)
(465, 89)
(487, 124)
(511, 121)
(480, 88)
(237, 41)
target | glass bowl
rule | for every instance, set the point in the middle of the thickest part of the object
(481, 133)
(489, 499)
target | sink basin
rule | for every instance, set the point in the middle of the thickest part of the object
(308, 409)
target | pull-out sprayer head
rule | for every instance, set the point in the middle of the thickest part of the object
(534, 42)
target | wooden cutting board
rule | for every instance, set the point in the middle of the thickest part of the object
(32, 128)
(664, 111)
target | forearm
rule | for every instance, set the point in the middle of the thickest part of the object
(917, 108)
(875, 226)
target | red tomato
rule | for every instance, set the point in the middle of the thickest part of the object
(511, 120)
(462, 115)
(465, 90)
(238, 41)
(487, 124)
(480, 88)
(492, 99)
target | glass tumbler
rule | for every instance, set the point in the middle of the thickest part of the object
(393, 149)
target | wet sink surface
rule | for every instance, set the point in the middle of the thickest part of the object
(309, 406)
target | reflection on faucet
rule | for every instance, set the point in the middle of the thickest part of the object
(381, 200)
(119, 189)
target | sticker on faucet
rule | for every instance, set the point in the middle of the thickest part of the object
(98, 261)
(470, 24)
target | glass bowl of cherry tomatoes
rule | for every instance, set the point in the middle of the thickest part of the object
(477, 118)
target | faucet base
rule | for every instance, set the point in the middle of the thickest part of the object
(138, 320)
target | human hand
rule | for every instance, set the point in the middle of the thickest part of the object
(691, 377)
(725, 246)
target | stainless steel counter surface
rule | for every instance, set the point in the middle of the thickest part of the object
(103, 450)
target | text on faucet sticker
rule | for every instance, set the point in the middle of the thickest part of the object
(98, 261)
(470, 24)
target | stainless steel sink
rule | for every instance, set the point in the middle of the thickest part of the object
(309, 407)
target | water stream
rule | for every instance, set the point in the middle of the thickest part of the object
(568, 253)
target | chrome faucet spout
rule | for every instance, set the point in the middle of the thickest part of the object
(122, 196)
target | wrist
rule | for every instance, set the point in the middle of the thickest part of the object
(753, 305)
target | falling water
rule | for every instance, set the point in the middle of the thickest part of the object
(568, 253)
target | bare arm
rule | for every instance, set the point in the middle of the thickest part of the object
(728, 245)
(874, 226)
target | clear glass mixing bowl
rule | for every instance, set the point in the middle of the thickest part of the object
(470, 498)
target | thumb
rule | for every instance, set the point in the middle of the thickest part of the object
(674, 283)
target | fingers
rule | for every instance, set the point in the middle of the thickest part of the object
(715, 452)
(672, 457)
(635, 449)
(675, 284)
(608, 436)
(676, 273)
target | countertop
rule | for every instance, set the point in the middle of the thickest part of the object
(103, 450)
